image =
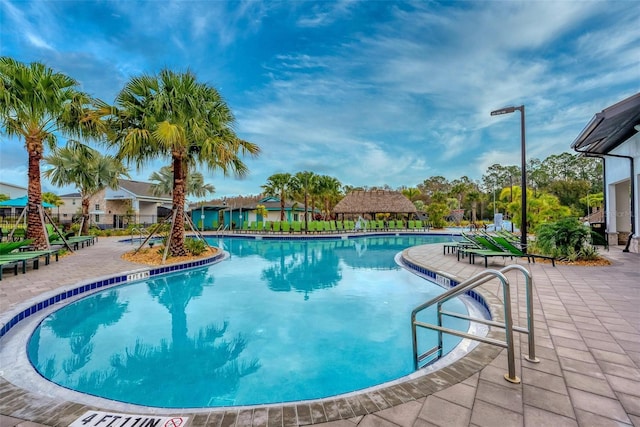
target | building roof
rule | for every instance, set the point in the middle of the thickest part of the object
(376, 201)
(140, 188)
(610, 127)
(17, 187)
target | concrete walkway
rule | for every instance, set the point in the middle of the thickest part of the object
(587, 334)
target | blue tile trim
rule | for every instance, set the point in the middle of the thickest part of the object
(425, 272)
(41, 305)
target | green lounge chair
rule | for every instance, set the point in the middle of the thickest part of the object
(276, 226)
(23, 257)
(286, 227)
(516, 251)
(486, 250)
(260, 227)
(8, 247)
(12, 264)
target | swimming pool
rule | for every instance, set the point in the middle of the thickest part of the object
(279, 321)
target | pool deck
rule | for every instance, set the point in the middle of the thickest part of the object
(587, 334)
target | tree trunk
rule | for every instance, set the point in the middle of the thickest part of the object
(176, 247)
(282, 206)
(85, 216)
(306, 213)
(35, 227)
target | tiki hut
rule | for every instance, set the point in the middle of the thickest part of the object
(370, 203)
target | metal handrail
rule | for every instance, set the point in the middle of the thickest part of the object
(508, 326)
(141, 230)
(220, 229)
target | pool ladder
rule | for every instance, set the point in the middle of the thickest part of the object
(507, 325)
(141, 231)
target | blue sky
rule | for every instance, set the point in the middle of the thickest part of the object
(371, 92)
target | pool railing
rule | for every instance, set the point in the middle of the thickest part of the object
(507, 325)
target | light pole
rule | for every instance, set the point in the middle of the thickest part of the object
(523, 169)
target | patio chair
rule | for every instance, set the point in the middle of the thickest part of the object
(8, 247)
(485, 249)
(516, 251)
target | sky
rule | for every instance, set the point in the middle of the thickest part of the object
(372, 93)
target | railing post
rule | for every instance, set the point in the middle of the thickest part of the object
(530, 323)
(508, 323)
(414, 338)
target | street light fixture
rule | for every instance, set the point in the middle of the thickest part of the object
(523, 168)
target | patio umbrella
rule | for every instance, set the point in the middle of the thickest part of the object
(21, 202)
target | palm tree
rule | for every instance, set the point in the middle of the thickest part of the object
(304, 182)
(329, 190)
(173, 115)
(279, 185)
(41, 105)
(411, 193)
(87, 169)
(164, 183)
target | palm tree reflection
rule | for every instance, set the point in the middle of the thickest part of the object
(79, 323)
(314, 266)
(197, 369)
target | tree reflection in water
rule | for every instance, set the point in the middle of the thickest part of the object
(79, 325)
(300, 272)
(213, 370)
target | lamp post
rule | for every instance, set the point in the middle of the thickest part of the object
(523, 169)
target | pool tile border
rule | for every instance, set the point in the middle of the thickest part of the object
(79, 289)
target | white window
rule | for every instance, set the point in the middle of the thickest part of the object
(97, 218)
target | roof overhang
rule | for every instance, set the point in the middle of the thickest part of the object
(610, 128)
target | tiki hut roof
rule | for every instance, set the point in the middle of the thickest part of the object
(375, 201)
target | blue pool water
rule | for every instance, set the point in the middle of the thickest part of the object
(278, 321)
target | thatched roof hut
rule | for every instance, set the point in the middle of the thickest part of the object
(375, 201)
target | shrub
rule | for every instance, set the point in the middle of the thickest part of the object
(567, 239)
(195, 246)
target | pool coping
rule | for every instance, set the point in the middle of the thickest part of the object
(417, 386)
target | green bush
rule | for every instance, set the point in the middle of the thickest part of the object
(567, 239)
(195, 246)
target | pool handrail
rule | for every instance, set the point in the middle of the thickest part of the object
(508, 326)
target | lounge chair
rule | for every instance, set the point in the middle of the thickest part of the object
(286, 227)
(276, 226)
(23, 257)
(8, 247)
(486, 249)
(516, 251)
(312, 226)
(13, 264)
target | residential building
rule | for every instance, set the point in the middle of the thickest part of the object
(614, 135)
(131, 203)
(12, 191)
